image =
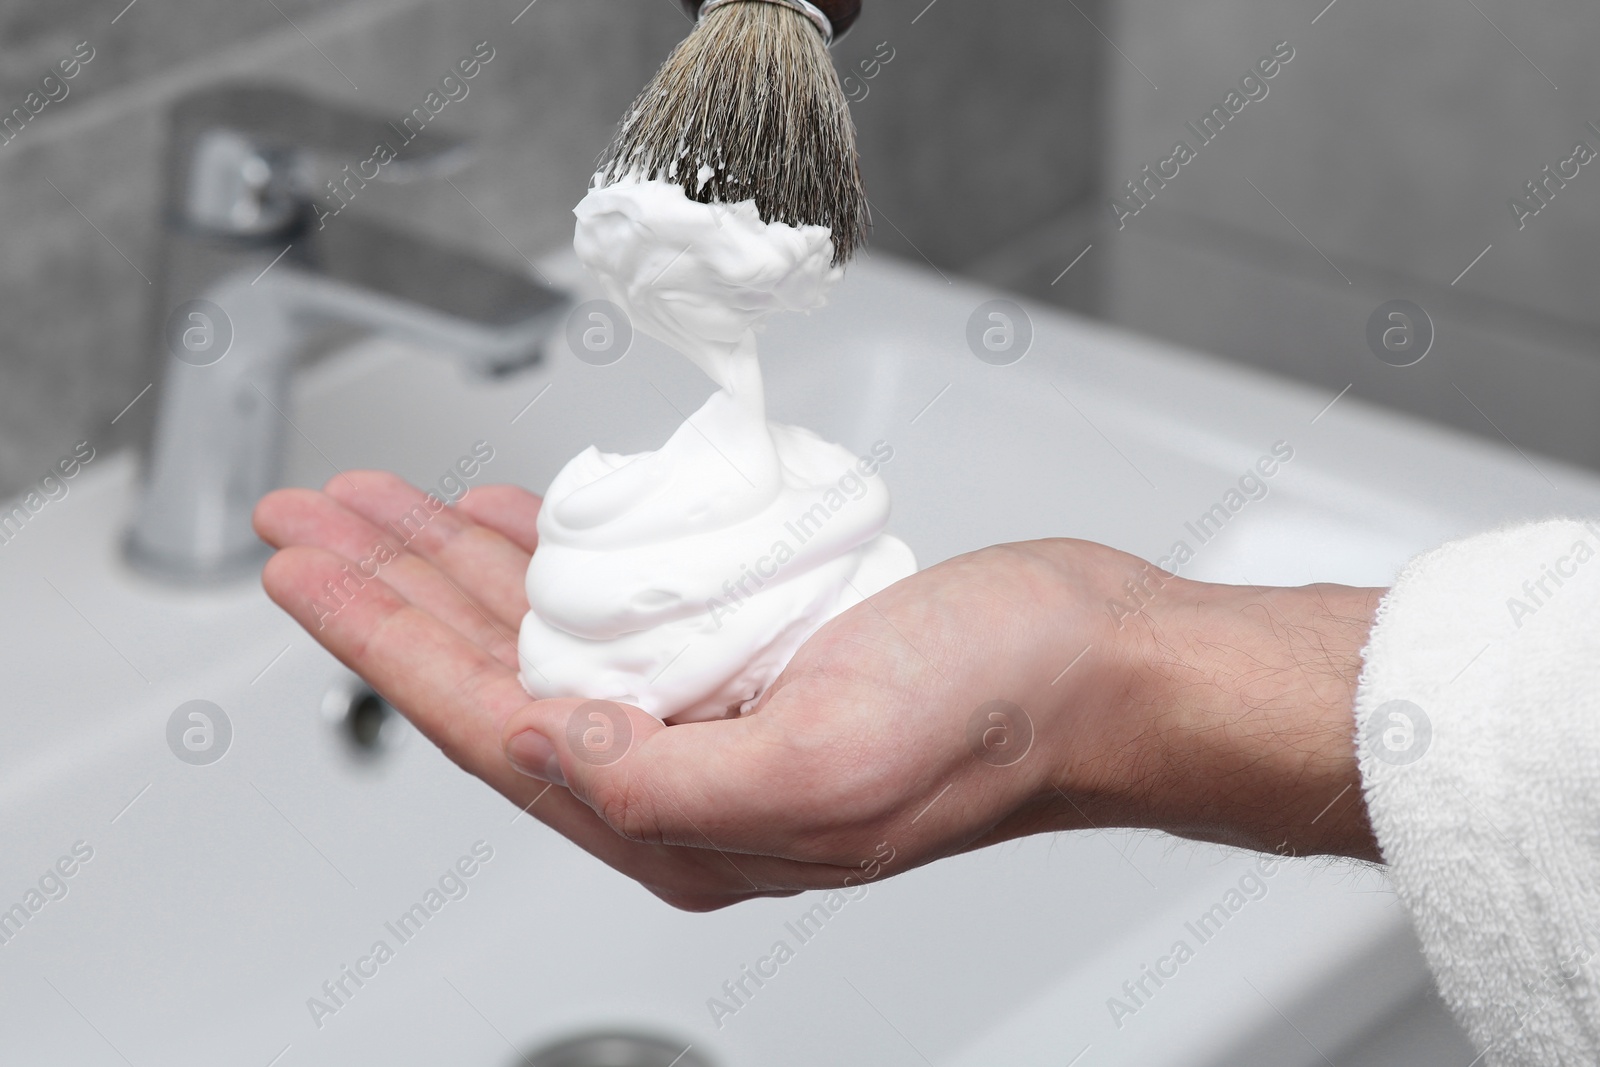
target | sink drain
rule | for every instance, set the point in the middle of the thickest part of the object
(616, 1050)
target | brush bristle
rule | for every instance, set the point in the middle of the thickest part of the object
(752, 95)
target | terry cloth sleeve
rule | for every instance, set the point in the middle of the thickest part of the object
(1478, 729)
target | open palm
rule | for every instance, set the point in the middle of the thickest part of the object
(886, 737)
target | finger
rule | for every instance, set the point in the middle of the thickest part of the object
(487, 567)
(304, 517)
(461, 698)
(453, 692)
(700, 902)
(509, 510)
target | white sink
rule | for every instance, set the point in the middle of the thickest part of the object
(222, 899)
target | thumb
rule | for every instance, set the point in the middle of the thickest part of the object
(548, 738)
(601, 751)
(694, 784)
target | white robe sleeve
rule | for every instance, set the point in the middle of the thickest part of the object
(1478, 726)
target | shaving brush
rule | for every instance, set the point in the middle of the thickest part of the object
(749, 107)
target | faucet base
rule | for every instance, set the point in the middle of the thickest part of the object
(192, 572)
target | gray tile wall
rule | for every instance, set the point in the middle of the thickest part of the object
(1382, 161)
(1393, 140)
(967, 99)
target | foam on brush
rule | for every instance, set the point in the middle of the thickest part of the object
(749, 107)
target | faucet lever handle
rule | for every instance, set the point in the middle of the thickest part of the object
(248, 158)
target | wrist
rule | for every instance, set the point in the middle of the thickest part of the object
(1236, 705)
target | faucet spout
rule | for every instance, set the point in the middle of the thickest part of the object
(364, 274)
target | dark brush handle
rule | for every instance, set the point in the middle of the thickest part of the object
(842, 13)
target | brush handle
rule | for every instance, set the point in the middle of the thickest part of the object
(842, 13)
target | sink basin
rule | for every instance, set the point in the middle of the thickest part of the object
(224, 901)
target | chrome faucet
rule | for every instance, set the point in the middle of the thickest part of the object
(252, 264)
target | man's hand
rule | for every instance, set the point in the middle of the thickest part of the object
(989, 697)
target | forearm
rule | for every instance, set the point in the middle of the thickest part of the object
(1254, 690)
(1234, 706)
